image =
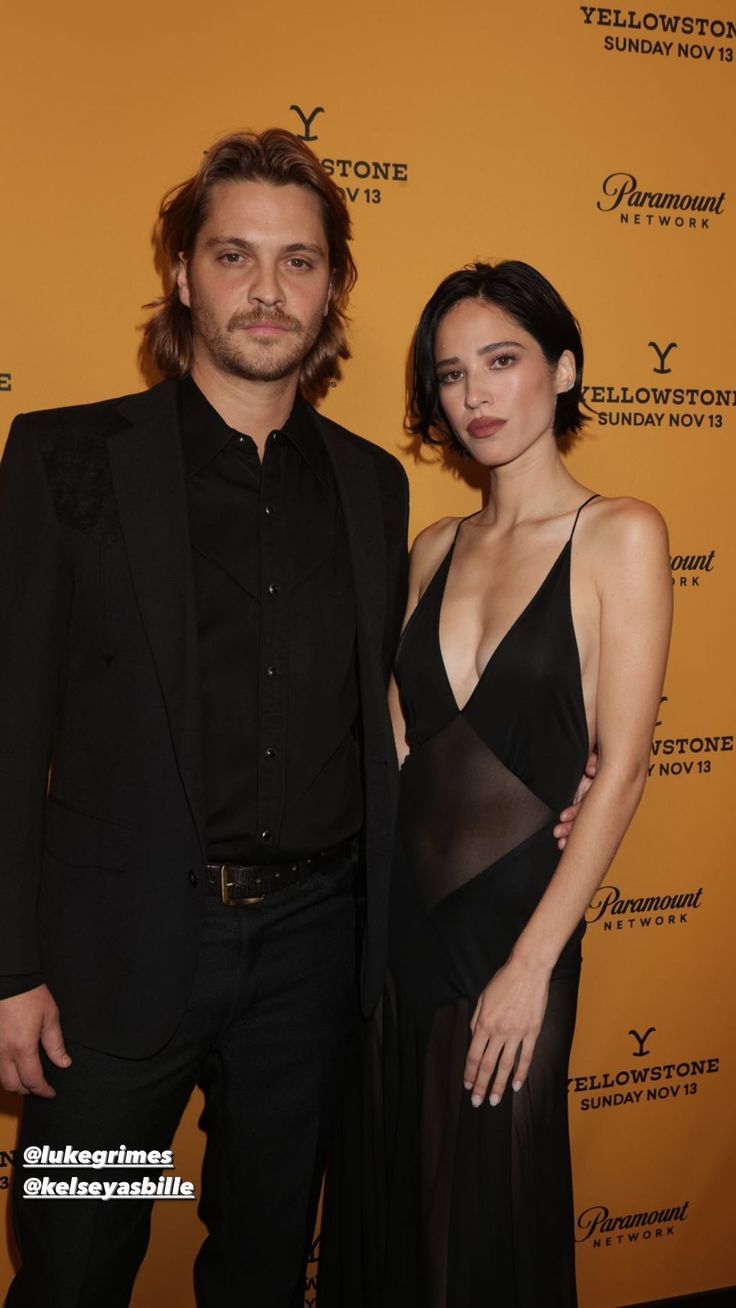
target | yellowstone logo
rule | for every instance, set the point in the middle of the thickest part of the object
(603, 1229)
(307, 120)
(640, 1083)
(662, 355)
(660, 405)
(362, 180)
(641, 1050)
(638, 207)
(684, 756)
(660, 35)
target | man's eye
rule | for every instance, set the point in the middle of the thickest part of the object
(296, 262)
(230, 256)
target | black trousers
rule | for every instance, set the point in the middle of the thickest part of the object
(266, 1031)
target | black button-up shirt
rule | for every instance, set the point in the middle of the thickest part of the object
(276, 624)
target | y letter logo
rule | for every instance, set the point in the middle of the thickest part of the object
(307, 120)
(641, 1040)
(662, 354)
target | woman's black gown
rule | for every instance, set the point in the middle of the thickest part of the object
(464, 1206)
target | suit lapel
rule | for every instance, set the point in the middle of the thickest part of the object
(148, 477)
(358, 488)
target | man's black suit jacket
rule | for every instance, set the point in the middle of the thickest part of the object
(101, 859)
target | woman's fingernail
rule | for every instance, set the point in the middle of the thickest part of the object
(476, 1100)
(468, 1085)
(494, 1099)
(516, 1085)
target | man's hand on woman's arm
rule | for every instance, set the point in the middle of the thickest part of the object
(568, 815)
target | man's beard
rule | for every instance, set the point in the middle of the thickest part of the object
(264, 358)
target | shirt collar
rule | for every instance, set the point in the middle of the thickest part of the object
(301, 430)
(204, 433)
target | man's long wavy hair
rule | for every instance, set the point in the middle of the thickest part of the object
(280, 159)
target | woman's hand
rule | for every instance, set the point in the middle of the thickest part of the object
(507, 1020)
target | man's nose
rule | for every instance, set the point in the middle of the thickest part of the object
(265, 287)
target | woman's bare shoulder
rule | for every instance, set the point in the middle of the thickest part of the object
(623, 531)
(623, 518)
(430, 547)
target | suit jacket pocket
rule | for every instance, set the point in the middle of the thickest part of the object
(78, 838)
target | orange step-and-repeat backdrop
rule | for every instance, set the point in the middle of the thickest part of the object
(595, 143)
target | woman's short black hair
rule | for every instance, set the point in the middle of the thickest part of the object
(527, 297)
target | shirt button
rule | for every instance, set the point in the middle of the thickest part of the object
(270, 753)
(273, 589)
(272, 670)
(270, 510)
(241, 440)
(265, 836)
(193, 878)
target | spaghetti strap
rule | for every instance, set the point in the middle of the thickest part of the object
(448, 557)
(462, 522)
(582, 506)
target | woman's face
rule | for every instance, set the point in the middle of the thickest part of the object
(497, 390)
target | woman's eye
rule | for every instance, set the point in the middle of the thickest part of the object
(446, 377)
(503, 360)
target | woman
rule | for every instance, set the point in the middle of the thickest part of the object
(536, 628)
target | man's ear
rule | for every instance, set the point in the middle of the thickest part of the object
(182, 279)
(565, 372)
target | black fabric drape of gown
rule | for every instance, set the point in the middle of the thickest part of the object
(431, 1203)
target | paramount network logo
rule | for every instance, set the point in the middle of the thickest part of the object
(638, 207)
(605, 1229)
(619, 912)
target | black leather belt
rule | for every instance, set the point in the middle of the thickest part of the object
(240, 884)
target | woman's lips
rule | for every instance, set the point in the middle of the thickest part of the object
(480, 428)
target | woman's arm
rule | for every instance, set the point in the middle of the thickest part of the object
(426, 555)
(635, 589)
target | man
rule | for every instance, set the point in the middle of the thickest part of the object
(204, 585)
(201, 589)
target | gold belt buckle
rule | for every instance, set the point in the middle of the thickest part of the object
(234, 901)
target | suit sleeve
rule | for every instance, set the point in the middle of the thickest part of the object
(397, 527)
(35, 598)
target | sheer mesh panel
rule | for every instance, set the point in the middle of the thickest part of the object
(441, 1103)
(461, 810)
(496, 1184)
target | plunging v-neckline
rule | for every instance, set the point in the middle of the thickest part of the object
(445, 567)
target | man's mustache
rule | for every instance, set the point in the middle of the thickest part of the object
(275, 317)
